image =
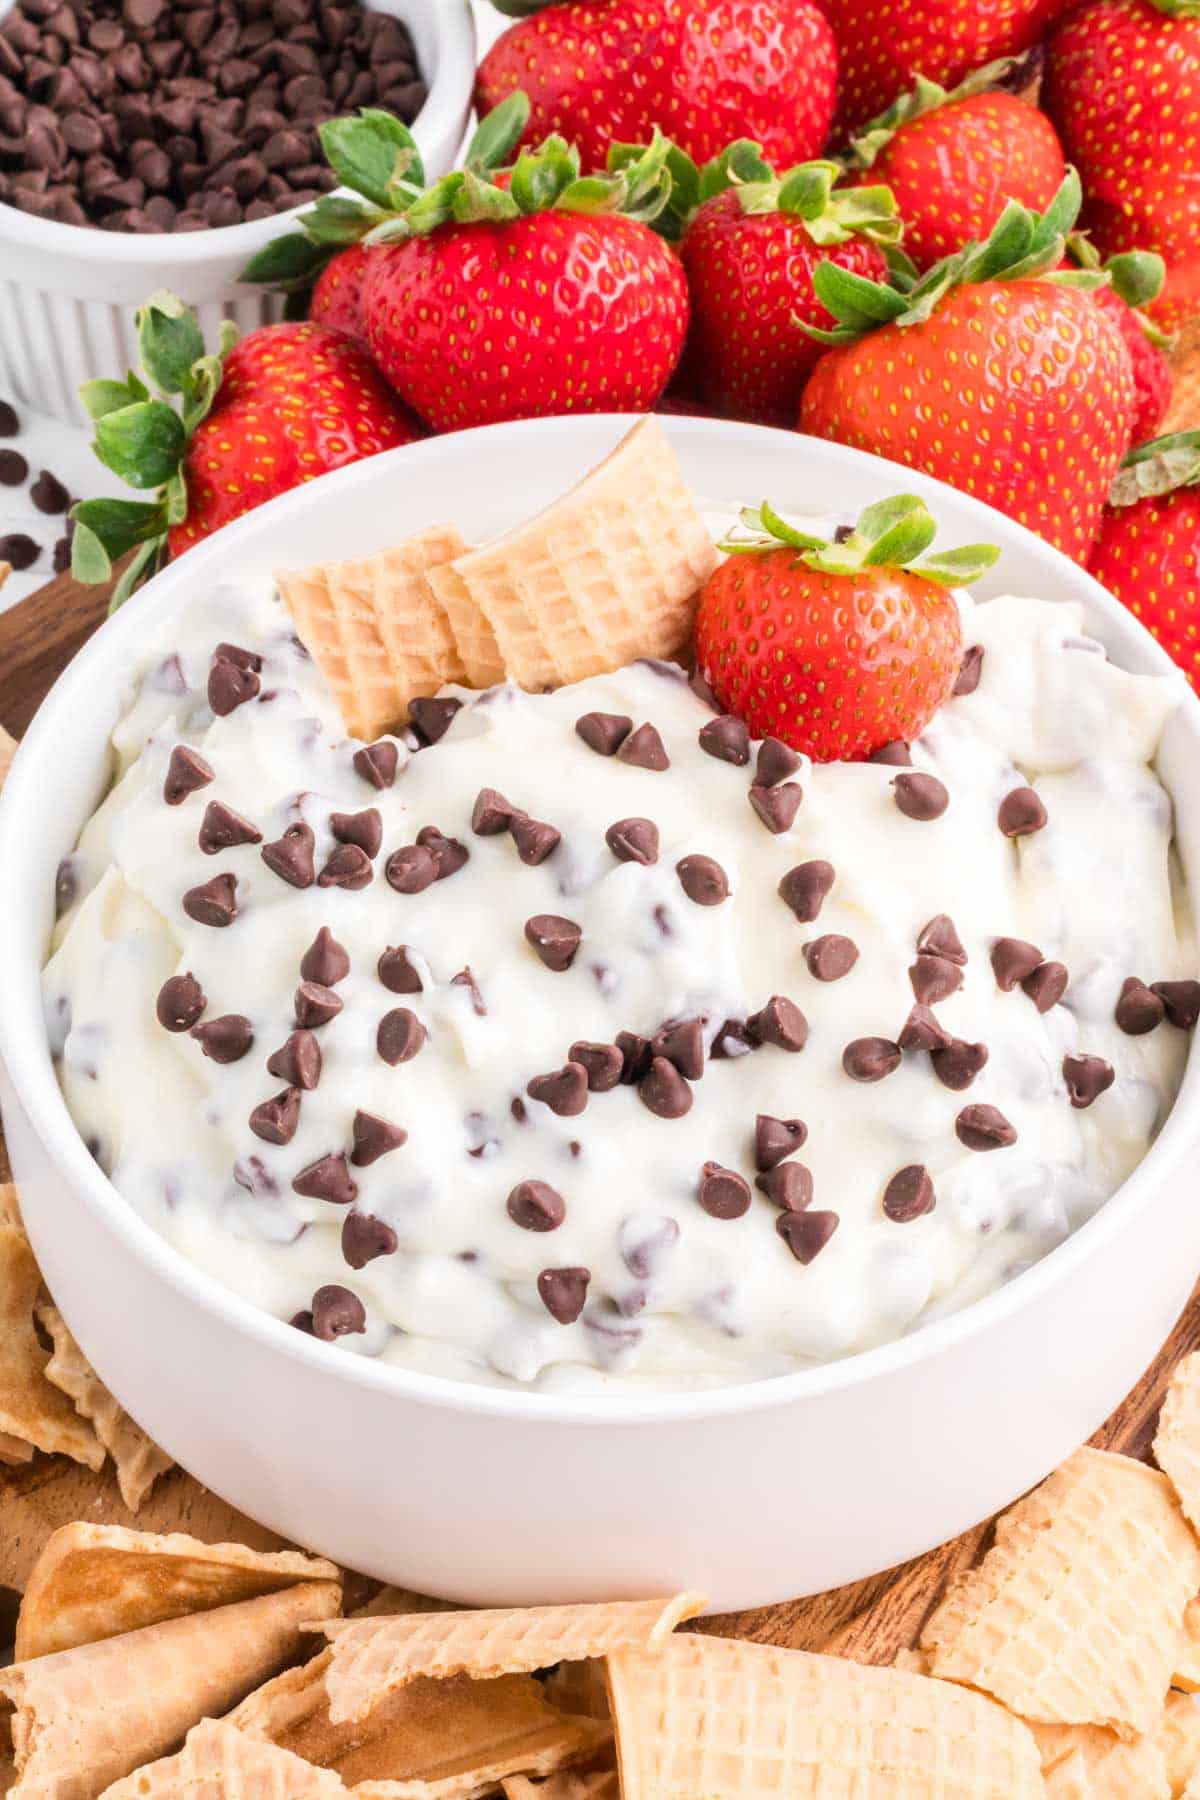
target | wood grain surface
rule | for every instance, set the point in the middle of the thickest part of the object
(869, 1620)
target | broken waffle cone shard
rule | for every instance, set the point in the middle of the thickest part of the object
(137, 1458)
(1178, 1736)
(718, 1717)
(1069, 1779)
(83, 1718)
(32, 1409)
(218, 1762)
(567, 1784)
(376, 628)
(1177, 1441)
(372, 1657)
(1114, 1769)
(14, 1451)
(608, 573)
(1186, 1673)
(1076, 1615)
(93, 1582)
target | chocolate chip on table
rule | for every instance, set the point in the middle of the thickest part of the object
(703, 880)
(806, 1233)
(922, 1031)
(681, 1041)
(774, 763)
(181, 1000)
(909, 1194)
(1013, 959)
(374, 1137)
(933, 979)
(604, 1064)
(213, 902)
(48, 494)
(291, 856)
(1181, 1002)
(780, 1023)
(536, 1206)
(325, 960)
(984, 1128)
(556, 940)
(230, 686)
(777, 806)
(633, 840)
(19, 550)
(958, 1063)
(377, 763)
(10, 424)
(727, 739)
(411, 870)
(186, 771)
(920, 797)
(275, 1121)
(563, 1292)
(400, 1036)
(895, 755)
(328, 1178)
(297, 1061)
(13, 468)
(564, 1091)
(776, 1138)
(1021, 813)
(226, 1039)
(1139, 1009)
(432, 718)
(1087, 1077)
(395, 970)
(644, 749)
(789, 1185)
(664, 1091)
(969, 671)
(535, 840)
(335, 1312)
(364, 1238)
(603, 732)
(362, 828)
(347, 867)
(314, 1005)
(940, 938)
(804, 889)
(830, 957)
(492, 813)
(223, 829)
(723, 1193)
(870, 1058)
(1047, 985)
(61, 554)
(448, 853)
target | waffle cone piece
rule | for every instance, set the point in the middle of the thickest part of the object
(568, 1784)
(1178, 1736)
(1069, 1779)
(1177, 1441)
(1186, 1673)
(218, 1762)
(1111, 1768)
(1076, 1615)
(373, 1657)
(32, 1410)
(725, 1720)
(83, 1718)
(609, 572)
(376, 629)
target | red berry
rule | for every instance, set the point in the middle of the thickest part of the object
(1148, 555)
(337, 294)
(1151, 370)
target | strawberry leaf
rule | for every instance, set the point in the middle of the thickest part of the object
(101, 397)
(367, 153)
(337, 220)
(1157, 468)
(958, 568)
(292, 260)
(540, 176)
(142, 443)
(498, 134)
(147, 562)
(477, 200)
(891, 533)
(924, 97)
(169, 342)
(1137, 276)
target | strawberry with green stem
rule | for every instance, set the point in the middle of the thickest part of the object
(994, 371)
(1135, 280)
(837, 648)
(1147, 552)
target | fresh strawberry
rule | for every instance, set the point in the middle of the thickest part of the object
(836, 648)
(1135, 281)
(702, 71)
(1148, 549)
(994, 373)
(287, 403)
(338, 291)
(883, 47)
(954, 159)
(749, 251)
(1123, 86)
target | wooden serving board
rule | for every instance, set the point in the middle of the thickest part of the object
(869, 1620)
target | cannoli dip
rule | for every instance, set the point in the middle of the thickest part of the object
(573, 1041)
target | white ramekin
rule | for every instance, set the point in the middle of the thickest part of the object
(752, 1493)
(67, 293)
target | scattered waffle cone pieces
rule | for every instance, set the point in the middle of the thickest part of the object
(1177, 1442)
(137, 1459)
(32, 1410)
(218, 1762)
(1099, 1765)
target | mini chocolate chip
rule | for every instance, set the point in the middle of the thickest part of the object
(181, 1000)
(870, 1058)
(723, 1193)
(703, 880)
(909, 1195)
(291, 856)
(934, 979)
(226, 1039)
(328, 1178)
(830, 957)
(776, 1138)
(1139, 1009)
(563, 1292)
(325, 960)
(555, 939)
(535, 1205)
(13, 468)
(48, 494)
(780, 1022)
(732, 1040)
(940, 938)
(727, 739)
(186, 771)
(223, 829)
(374, 1137)
(1047, 985)
(969, 671)
(894, 755)
(347, 867)
(10, 424)
(644, 749)
(377, 763)
(19, 549)
(411, 870)
(681, 1041)
(604, 732)
(804, 889)
(335, 1312)
(957, 1063)
(920, 797)
(604, 1064)
(635, 1056)
(1087, 1077)
(433, 717)
(564, 1091)
(364, 1238)
(774, 763)
(664, 1091)
(315, 1004)
(984, 1128)
(789, 1185)
(230, 686)
(213, 902)
(396, 971)
(535, 840)
(777, 806)
(491, 814)
(1181, 1002)
(275, 1120)
(362, 828)
(806, 1233)
(922, 1031)
(298, 1061)
(303, 1321)
(633, 840)
(1012, 960)
(447, 852)
(400, 1036)
(1021, 813)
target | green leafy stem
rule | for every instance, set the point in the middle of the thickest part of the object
(893, 533)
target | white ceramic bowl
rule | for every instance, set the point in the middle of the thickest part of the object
(67, 293)
(754, 1492)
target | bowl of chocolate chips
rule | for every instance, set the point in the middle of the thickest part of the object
(154, 143)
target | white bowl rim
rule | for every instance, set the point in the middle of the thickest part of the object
(29, 1069)
(187, 248)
